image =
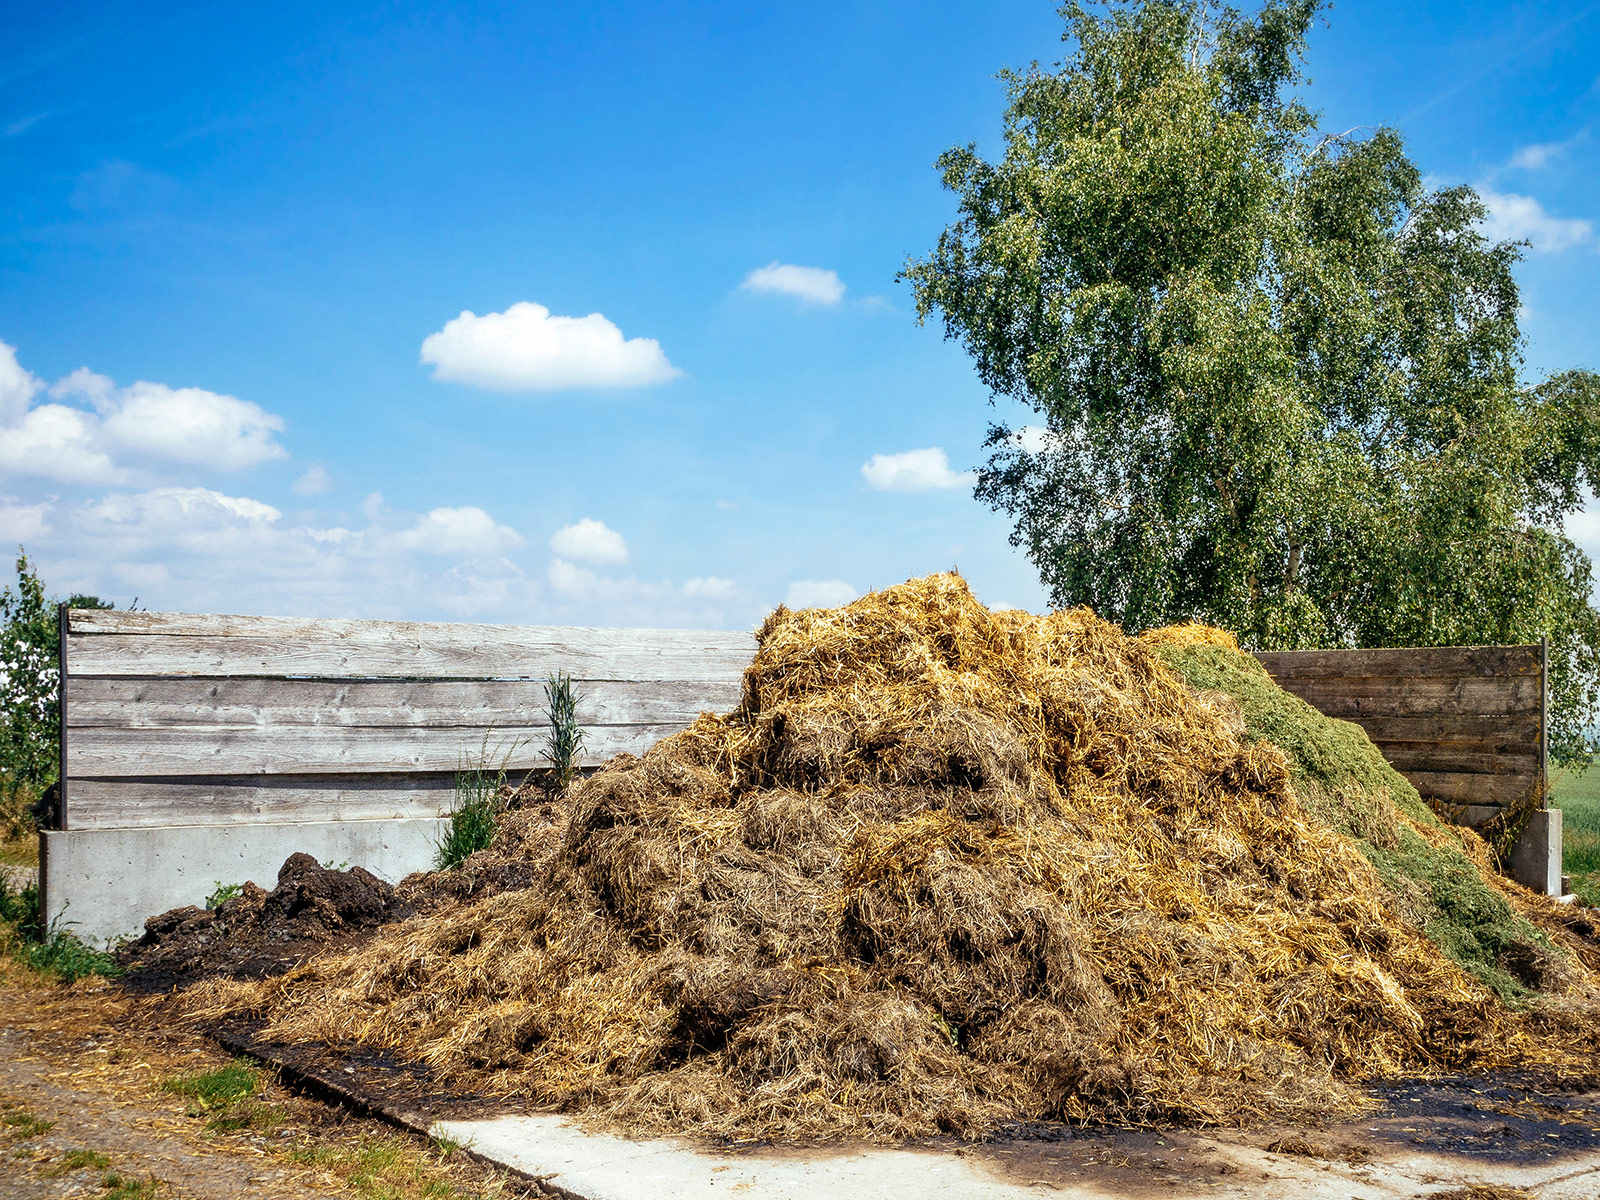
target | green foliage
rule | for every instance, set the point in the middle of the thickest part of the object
(125, 1187)
(480, 802)
(22, 1124)
(1279, 377)
(1343, 781)
(565, 744)
(216, 1089)
(79, 1160)
(223, 893)
(29, 709)
(1577, 795)
(52, 951)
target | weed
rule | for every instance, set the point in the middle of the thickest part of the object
(565, 745)
(51, 951)
(78, 1160)
(223, 893)
(125, 1187)
(22, 1124)
(237, 1081)
(479, 805)
(382, 1168)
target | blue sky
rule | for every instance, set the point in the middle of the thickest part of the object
(229, 238)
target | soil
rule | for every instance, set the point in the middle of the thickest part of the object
(312, 908)
(82, 1098)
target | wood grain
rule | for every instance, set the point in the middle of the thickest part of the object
(165, 701)
(1514, 695)
(1420, 662)
(120, 643)
(331, 749)
(262, 799)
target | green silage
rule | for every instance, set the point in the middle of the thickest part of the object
(1343, 781)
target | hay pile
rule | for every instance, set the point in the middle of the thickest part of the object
(942, 869)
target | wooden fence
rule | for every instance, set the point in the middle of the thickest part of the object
(1466, 724)
(178, 720)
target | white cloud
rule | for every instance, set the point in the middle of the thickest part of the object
(314, 481)
(1531, 158)
(465, 532)
(1514, 218)
(527, 349)
(59, 443)
(816, 285)
(590, 541)
(17, 387)
(22, 523)
(117, 434)
(914, 471)
(819, 593)
(1031, 439)
(709, 588)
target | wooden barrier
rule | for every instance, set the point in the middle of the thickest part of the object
(1466, 724)
(177, 720)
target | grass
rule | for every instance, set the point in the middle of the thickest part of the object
(125, 1187)
(384, 1168)
(475, 815)
(1577, 795)
(78, 1160)
(22, 1124)
(54, 952)
(228, 1098)
(1343, 781)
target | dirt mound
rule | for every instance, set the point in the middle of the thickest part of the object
(258, 933)
(943, 868)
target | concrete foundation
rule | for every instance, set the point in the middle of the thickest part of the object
(102, 883)
(1535, 860)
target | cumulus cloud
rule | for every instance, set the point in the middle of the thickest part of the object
(709, 588)
(815, 285)
(315, 480)
(113, 435)
(21, 523)
(914, 471)
(590, 541)
(1514, 218)
(1531, 158)
(465, 532)
(527, 349)
(819, 593)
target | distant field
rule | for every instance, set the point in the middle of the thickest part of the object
(1578, 798)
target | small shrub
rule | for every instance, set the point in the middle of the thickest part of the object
(565, 745)
(479, 804)
(224, 893)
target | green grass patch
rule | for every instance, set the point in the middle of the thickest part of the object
(126, 1187)
(78, 1160)
(1343, 781)
(237, 1081)
(385, 1168)
(55, 952)
(22, 1124)
(1577, 795)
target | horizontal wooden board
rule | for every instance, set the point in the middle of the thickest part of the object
(325, 749)
(1505, 696)
(124, 644)
(1404, 756)
(1467, 788)
(152, 703)
(1413, 663)
(263, 799)
(1487, 732)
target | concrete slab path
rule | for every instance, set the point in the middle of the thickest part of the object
(597, 1166)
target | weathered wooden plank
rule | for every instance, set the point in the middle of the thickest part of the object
(155, 803)
(1466, 788)
(1409, 756)
(331, 749)
(1415, 662)
(152, 703)
(1506, 696)
(116, 643)
(1463, 730)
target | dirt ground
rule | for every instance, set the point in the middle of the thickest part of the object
(91, 1104)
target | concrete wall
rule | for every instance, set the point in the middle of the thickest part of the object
(102, 883)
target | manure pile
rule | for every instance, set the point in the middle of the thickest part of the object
(941, 870)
